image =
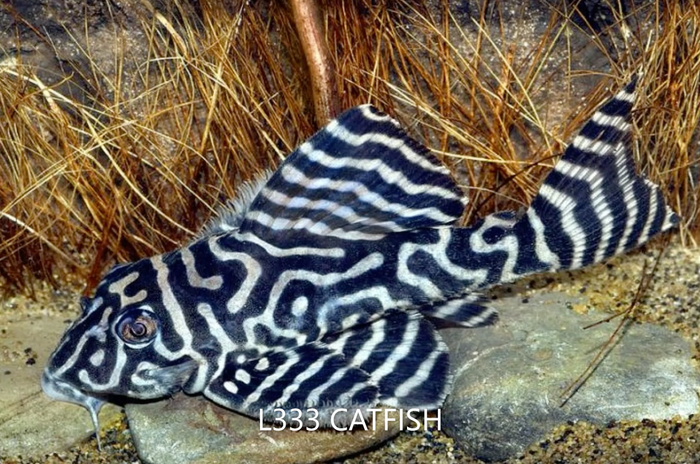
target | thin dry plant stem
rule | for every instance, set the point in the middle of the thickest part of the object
(627, 316)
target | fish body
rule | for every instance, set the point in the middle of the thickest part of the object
(320, 287)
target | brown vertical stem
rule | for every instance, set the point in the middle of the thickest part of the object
(307, 19)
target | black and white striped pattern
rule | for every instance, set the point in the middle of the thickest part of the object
(320, 290)
(360, 177)
(593, 205)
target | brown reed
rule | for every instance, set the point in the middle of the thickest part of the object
(223, 93)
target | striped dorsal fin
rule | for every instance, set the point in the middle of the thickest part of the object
(230, 216)
(360, 176)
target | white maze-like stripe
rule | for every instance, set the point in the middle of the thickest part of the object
(179, 324)
(114, 378)
(270, 380)
(266, 318)
(509, 244)
(145, 367)
(118, 287)
(405, 275)
(193, 278)
(218, 332)
(286, 252)
(253, 272)
(438, 253)
(379, 293)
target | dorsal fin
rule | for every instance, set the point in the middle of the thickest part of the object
(360, 177)
(229, 217)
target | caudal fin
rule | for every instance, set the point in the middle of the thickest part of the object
(593, 205)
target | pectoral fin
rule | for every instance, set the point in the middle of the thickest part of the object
(309, 376)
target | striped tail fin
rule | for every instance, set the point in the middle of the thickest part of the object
(593, 205)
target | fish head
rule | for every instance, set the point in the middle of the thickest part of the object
(117, 347)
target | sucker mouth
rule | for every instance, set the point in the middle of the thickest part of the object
(62, 391)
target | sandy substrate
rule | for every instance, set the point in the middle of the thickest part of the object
(670, 300)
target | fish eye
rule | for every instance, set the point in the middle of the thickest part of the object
(137, 326)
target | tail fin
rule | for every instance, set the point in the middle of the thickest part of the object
(593, 205)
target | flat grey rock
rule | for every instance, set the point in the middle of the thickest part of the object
(509, 378)
(193, 430)
(31, 424)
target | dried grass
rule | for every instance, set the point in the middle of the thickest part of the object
(138, 167)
